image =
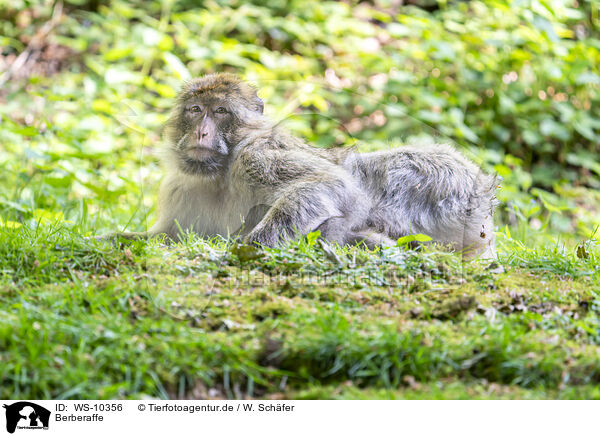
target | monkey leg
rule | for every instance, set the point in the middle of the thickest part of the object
(303, 208)
(339, 230)
(255, 215)
(335, 229)
(371, 238)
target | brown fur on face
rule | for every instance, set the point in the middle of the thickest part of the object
(226, 87)
(207, 114)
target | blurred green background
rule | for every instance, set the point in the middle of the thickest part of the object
(86, 85)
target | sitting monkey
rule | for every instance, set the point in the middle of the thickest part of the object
(229, 169)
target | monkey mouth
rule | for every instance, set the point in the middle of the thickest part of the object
(200, 152)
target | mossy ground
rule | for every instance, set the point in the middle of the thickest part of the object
(210, 319)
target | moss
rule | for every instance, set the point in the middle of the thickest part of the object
(176, 321)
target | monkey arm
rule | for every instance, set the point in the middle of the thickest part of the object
(304, 206)
(304, 190)
(300, 210)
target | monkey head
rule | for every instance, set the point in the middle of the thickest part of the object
(208, 112)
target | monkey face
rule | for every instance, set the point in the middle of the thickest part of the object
(202, 147)
(205, 124)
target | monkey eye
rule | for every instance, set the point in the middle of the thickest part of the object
(221, 110)
(195, 108)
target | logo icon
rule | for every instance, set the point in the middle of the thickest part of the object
(26, 415)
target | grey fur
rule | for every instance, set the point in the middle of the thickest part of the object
(271, 186)
(433, 190)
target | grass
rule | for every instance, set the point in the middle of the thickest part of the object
(211, 319)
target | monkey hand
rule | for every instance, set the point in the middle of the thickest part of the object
(263, 236)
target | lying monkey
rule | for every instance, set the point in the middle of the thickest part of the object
(229, 169)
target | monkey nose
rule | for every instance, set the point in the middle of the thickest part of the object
(200, 134)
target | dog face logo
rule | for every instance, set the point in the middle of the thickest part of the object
(26, 415)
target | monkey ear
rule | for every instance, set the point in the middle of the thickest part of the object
(260, 106)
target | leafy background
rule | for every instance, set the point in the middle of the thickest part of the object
(515, 84)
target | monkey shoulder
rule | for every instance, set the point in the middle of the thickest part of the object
(268, 165)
